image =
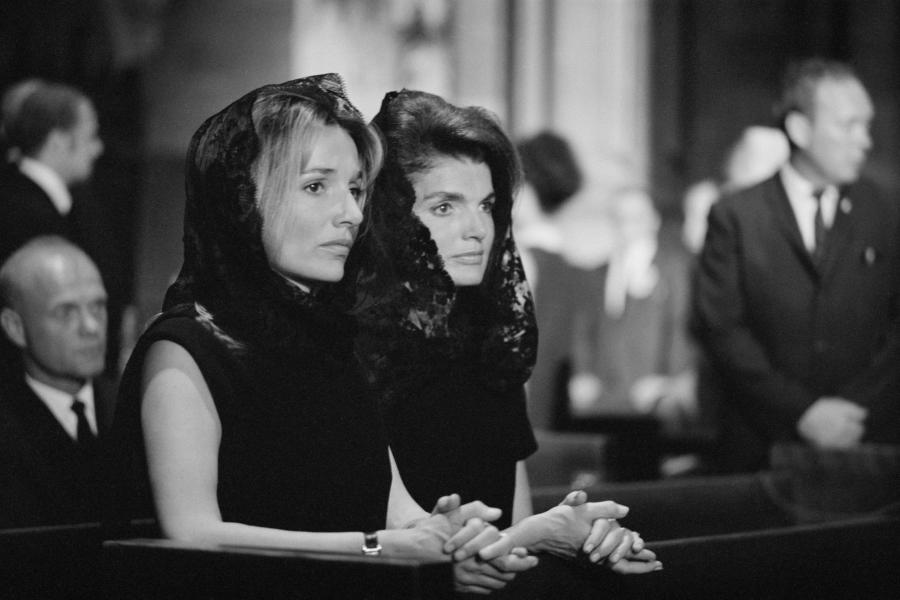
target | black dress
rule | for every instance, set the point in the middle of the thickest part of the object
(451, 433)
(448, 364)
(302, 447)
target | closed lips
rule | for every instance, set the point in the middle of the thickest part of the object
(339, 243)
(474, 256)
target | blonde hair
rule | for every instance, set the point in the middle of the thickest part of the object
(288, 126)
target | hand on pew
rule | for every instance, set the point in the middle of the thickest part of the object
(453, 527)
(469, 525)
(576, 525)
(483, 577)
(622, 549)
(471, 573)
(562, 530)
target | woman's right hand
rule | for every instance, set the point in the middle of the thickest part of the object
(471, 573)
(622, 549)
(562, 530)
(452, 529)
(460, 531)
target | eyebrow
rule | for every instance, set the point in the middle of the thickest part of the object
(317, 170)
(328, 171)
(454, 196)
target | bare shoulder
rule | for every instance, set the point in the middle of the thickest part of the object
(165, 355)
(172, 376)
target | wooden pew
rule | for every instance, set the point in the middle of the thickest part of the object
(634, 445)
(609, 448)
(145, 569)
(855, 558)
(685, 507)
(726, 537)
(56, 562)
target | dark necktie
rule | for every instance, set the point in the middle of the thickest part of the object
(86, 439)
(819, 227)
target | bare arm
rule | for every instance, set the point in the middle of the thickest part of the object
(474, 533)
(403, 511)
(522, 499)
(574, 526)
(182, 432)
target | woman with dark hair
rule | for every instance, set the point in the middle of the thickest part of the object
(448, 335)
(242, 397)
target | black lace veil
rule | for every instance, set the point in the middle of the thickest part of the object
(406, 301)
(225, 270)
(263, 320)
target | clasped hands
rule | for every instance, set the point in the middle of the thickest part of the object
(578, 526)
(464, 530)
(485, 559)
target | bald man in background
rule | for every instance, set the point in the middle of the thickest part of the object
(55, 411)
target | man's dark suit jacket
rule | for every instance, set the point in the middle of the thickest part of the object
(44, 478)
(26, 211)
(781, 331)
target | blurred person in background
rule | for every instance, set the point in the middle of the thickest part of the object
(9, 108)
(51, 144)
(755, 156)
(632, 350)
(52, 133)
(553, 178)
(798, 290)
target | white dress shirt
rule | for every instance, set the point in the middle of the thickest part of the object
(60, 404)
(48, 180)
(803, 203)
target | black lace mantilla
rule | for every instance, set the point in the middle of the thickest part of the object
(225, 273)
(410, 312)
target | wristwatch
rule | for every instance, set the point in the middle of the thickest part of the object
(371, 547)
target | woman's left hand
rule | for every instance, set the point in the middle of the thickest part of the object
(621, 549)
(637, 563)
(560, 530)
(609, 540)
(473, 533)
(483, 577)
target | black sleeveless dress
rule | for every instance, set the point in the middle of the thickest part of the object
(302, 447)
(450, 432)
(448, 364)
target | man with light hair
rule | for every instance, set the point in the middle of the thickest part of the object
(797, 301)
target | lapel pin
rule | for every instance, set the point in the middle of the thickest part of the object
(846, 205)
(869, 255)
